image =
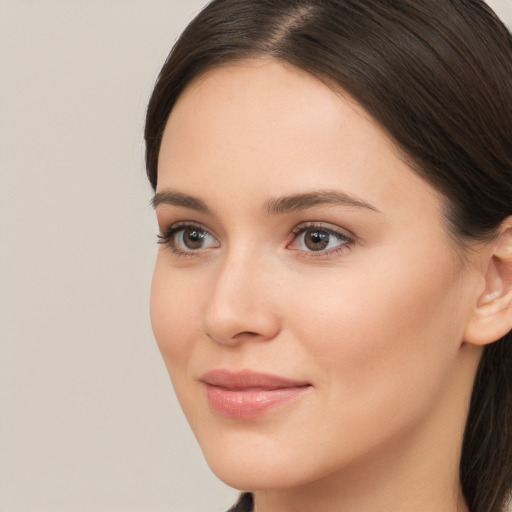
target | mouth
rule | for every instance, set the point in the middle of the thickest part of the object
(247, 394)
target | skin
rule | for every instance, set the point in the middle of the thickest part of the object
(376, 325)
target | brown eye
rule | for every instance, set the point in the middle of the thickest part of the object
(187, 238)
(193, 238)
(319, 239)
(316, 240)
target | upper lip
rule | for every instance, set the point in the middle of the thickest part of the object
(246, 379)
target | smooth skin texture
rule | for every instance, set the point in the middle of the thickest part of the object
(376, 321)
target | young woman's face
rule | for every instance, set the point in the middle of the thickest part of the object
(307, 299)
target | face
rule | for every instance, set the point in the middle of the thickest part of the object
(307, 299)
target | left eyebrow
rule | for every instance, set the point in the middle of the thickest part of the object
(288, 204)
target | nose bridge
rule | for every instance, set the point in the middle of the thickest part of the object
(239, 306)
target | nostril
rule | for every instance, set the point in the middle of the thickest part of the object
(239, 337)
(246, 334)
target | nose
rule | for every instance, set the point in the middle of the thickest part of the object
(240, 306)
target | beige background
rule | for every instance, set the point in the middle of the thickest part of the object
(88, 421)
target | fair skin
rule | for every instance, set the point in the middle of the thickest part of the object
(380, 322)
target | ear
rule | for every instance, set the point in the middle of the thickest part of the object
(492, 315)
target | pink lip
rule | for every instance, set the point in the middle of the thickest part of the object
(247, 394)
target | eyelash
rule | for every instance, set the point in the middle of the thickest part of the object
(346, 239)
(166, 238)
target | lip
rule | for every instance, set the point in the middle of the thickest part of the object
(246, 394)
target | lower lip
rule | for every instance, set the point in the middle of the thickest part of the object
(251, 403)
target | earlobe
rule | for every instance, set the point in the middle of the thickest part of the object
(492, 315)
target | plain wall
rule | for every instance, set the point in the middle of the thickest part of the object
(88, 421)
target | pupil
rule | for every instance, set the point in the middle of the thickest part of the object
(193, 238)
(317, 240)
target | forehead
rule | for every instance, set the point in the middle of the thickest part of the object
(262, 94)
(263, 128)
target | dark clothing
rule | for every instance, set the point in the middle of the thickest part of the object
(245, 503)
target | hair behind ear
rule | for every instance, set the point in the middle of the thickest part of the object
(486, 472)
(486, 461)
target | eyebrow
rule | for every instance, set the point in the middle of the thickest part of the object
(278, 205)
(297, 202)
(178, 199)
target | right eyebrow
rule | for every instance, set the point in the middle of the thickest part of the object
(173, 198)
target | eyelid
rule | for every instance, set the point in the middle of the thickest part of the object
(342, 234)
(345, 237)
(327, 226)
(166, 235)
(177, 226)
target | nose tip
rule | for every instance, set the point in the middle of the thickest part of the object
(239, 309)
(235, 322)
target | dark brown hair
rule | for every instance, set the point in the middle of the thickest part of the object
(437, 76)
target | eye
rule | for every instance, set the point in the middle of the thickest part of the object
(319, 239)
(187, 238)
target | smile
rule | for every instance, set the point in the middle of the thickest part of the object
(248, 394)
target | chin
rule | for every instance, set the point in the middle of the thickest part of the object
(257, 467)
(249, 475)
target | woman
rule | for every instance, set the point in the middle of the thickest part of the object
(333, 291)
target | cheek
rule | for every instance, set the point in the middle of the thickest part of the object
(174, 308)
(381, 335)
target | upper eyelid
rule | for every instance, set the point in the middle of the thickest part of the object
(166, 235)
(326, 226)
(175, 227)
